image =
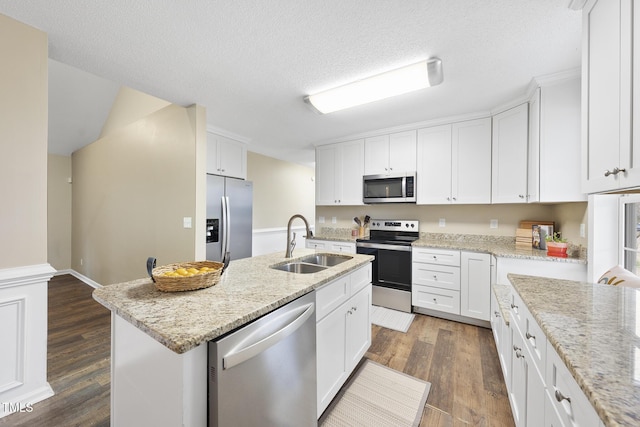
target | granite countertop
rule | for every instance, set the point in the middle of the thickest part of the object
(500, 246)
(594, 329)
(248, 289)
(502, 293)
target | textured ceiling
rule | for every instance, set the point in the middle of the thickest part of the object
(251, 62)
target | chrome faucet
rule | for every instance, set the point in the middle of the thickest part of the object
(291, 243)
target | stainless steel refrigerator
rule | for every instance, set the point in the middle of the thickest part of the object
(229, 217)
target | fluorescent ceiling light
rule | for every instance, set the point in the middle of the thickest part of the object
(395, 82)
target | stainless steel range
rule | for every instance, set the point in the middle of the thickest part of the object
(390, 242)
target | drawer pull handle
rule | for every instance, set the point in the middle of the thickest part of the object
(435, 277)
(516, 348)
(496, 313)
(515, 307)
(560, 397)
(529, 336)
(519, 354)
(354, 308)
(435, 300)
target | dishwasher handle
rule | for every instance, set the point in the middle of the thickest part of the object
(247, 352)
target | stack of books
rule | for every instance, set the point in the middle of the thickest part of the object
(525, 233)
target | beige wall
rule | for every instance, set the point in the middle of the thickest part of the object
(129, 106)
(280, 190)
(131, 190)
(59, 212)
(464, 219)
(23, 144)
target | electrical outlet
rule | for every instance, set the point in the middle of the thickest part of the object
(442, 222)
(583, 231)
(493, 223)
(186, 222)
(81, 261)
(321, 219)
(334, 220)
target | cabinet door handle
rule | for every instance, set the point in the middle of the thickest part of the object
(560, 397)
(615, 171)
(521, 196)
(529, 336)
(515, 307)
(454, 199)
(519, 354)
(516, 348)
(354, 308)
(496, 314)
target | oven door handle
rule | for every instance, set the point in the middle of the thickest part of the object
(383, 246)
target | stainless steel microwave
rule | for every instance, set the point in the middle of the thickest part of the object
(394, 188)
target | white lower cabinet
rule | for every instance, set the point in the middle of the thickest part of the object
(571, 406)
(475, 285)
(452, 282)
(343, 331)
(331, 245)
(542, 391)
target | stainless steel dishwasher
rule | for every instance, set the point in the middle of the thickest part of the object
(264, 374)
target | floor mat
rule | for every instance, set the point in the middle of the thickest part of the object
(392, 319)
(378, 396)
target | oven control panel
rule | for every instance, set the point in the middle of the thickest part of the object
(394, 225)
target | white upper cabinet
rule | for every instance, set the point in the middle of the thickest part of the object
(454, 163)
(388, 154)
(434, 166)
(560, 162)
(510, 149)
(226, 157)
(610, 67)
(471, 162)
(339, 170)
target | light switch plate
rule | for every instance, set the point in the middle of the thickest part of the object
(186, 222)
(583, 231)
(493, 223)
(321, 219)
(334, 220)
(442, 222)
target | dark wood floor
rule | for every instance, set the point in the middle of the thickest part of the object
(460, 362)
(78, 358)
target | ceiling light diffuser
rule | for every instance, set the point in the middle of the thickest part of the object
(391, 83)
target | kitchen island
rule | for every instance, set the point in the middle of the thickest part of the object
(159, 362)
(594, 330)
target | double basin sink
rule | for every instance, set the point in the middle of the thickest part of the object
(312, 263)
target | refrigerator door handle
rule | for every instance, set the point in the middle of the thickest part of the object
(228, 222)
(237, 356)
(223, 247)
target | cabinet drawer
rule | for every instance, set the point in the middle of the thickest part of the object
(360, 278)
(436, 299)
(331, 296)
(315, 244)
(436, 256)
(565, 395)
(349, 248)
(439, 276)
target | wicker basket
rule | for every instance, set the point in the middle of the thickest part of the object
(178, 284)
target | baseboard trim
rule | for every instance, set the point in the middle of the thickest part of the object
(80, 277)
(26, 400)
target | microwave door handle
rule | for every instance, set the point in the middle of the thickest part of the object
(404, 187)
